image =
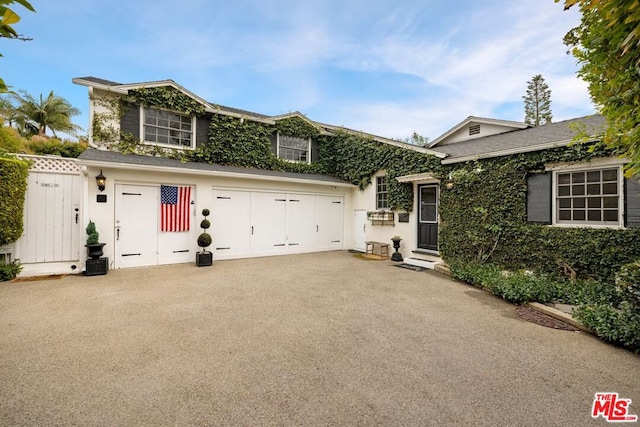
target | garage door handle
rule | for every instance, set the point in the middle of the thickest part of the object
(118, 233)
(316, 228)
(252, 230)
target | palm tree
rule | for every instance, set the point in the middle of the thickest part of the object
(53, 112)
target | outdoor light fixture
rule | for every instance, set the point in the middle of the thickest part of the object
(101, 180)
(449, 185)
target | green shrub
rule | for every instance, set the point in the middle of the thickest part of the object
(618, 325)
(11, 141)
(9, 271)
(56, 147)
(13, 188)
(628, 283)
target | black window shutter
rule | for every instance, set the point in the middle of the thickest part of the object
(202, 130)
(632, 203)
(539, 198)
(315, 152)
(130, 122)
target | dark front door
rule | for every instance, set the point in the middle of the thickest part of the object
(428, 217)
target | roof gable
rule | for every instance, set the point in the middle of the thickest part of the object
(524, 140)
(476, 127)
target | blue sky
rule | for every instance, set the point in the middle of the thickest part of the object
(383, 67)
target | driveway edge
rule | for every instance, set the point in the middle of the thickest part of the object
(557, 314)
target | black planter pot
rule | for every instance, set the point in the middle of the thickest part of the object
(204, 259)
(94, 250)
(396, 256)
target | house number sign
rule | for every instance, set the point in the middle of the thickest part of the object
(47, 184)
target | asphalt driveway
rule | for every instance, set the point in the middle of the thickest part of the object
(314, 339)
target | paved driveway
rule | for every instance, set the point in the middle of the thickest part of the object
(314, 339)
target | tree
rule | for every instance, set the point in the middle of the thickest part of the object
(34, 116)
(417, 139)
(7, 19)
(606, 45)
(537, 102)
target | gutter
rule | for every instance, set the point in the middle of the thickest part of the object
(200, 172)
(510, 151)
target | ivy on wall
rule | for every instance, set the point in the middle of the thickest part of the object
(483, 219)
(165, 97)
(483, 216)
(13, 187)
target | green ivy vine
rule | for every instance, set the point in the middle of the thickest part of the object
(483, 219)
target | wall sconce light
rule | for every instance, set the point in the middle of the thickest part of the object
(449, 185)
(101, 180)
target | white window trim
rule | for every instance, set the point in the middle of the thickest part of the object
(595, 165)
(376, 193)
(175, 147)
(293, 161)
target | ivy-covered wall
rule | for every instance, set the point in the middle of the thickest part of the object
(484, 220)
(13, 187)
(246, 143)
(483, 216)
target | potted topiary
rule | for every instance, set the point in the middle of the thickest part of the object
(95, 264)
(204, 258)
(396, 256)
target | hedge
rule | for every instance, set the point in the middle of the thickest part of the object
(13, 187)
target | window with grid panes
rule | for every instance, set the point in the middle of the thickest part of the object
(293, 148)
(167, 128)
(588, 197)
(382, 197)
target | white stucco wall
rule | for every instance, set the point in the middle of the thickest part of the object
(103, 214)
(366, 200)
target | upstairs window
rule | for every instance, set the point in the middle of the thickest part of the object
(294, 149)
(167, 128)
(382, 196)
(590, 197)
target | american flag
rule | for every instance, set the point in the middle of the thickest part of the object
(174, 208)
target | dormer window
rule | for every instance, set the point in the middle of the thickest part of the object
(294, 149)
(474, 129)
(167, 128)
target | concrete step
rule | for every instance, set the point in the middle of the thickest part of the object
(421, 263)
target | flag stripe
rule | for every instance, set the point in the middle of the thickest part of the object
(175, 205)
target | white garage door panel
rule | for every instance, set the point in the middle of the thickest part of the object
(268, 221)
(176, 247)
(330, 218)
(302, 233)
(137, 228)
(251, 223)
(231, 224)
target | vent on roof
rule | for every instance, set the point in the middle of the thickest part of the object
(474, 129)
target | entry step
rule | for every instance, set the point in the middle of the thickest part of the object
(422, 263)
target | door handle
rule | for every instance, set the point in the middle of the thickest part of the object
(77, 216)
(317, 228)
(252, 230)
(364, 228)
(118, 233)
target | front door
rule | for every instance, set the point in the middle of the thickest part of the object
(428, 217)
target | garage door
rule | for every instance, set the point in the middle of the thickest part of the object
(246, 223)
(139, 239)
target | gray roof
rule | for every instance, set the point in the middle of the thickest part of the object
(135, 159)
(221, 107)
(524, 140)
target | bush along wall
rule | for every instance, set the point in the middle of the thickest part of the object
(13, 187)
(485, 238)
(483, 220)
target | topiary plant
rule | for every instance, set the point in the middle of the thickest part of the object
(204, 239)
(93, 237)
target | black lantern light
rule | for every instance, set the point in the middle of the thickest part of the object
(101, 180)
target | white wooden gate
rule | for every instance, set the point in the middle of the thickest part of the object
(52, 222)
